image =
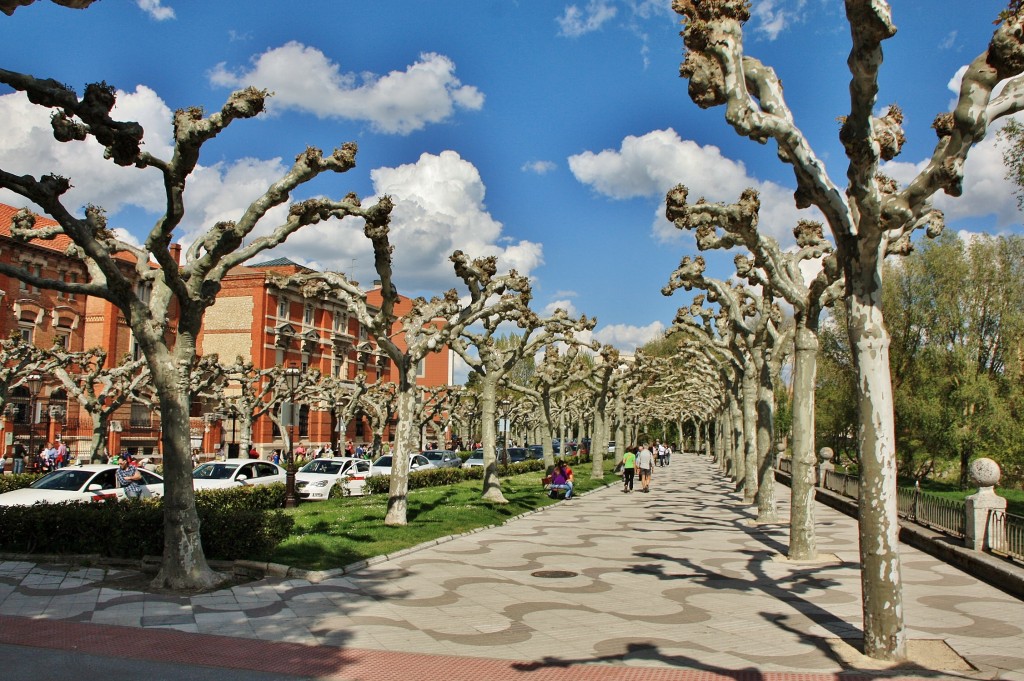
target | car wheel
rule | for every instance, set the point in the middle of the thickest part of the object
(337, 491)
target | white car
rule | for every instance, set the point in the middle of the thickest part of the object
(88, 482)
(417, 462)
(236, 472)
(475, 460)
(316, 479)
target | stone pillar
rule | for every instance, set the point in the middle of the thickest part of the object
(982, 530)
(825, 454)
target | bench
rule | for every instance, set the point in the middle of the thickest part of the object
(554, 491)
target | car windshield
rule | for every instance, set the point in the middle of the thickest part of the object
(383, 462)
(215, 471)
(517, 454)
(434, 456)
(323, 466)
(65, 479)
(476, 456)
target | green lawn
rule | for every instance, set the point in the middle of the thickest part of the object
(334, 533)
(1014, 497)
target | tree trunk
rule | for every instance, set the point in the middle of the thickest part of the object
(184, 566)
(488, 400)
(802, 541)
(884, 632)
(597, 446)
(407, 437)
(100, 423)
(767, 509)
(749, 434)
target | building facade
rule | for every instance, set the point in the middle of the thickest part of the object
(252, 319)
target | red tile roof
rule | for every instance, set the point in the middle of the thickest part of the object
(7, 213)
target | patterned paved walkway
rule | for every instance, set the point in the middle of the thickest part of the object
(675, 584)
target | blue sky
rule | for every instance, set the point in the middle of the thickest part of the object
(543, 132)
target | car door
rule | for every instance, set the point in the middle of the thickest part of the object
(152, 484)
(104, 484)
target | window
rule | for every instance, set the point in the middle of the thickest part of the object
(27, 333)
(136, 350)
(38, 271)
(72, 278)
(62, 341)
(307, 316)
(362, 333)
(340, 322)
(142, 416)
(421, 367)
(62, 277)
(304, 420)
(282, 307)
(144, 289)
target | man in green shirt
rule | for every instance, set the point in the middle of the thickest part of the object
(628, 465)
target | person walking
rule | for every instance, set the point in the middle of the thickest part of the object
(628, 465)
(645, 463)
(19, 459)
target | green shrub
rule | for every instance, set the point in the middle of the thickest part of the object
(235, 523)
(10, 483)
(436, 477)
(256, 497)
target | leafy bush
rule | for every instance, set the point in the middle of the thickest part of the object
(9, 483)
(436, 477)
(254, 497)
(236, 523)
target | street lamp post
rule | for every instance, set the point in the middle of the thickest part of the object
(506, 411)
(35, 384)
(292, 376)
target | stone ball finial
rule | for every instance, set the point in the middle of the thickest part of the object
(780, 447)
(985, 472)
(826, 453)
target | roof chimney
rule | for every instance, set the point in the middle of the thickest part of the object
(175, 251)
(376, 283)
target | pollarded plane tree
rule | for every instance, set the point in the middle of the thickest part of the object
(436, 411)
(637, 397)
(743, 322)
(712, 334)
(465, 415)
(553, 376)
(118, 271)
(244, 395)
(18, 361)
(493, 358)
(340, 397)
(606, 371)
(427, 327)
(283, 390)
(378, 404)
(98, 390)
(8, 6)
(866, 220)
(725, 226)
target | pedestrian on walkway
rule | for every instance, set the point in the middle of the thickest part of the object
(628, 464)
(645, 463)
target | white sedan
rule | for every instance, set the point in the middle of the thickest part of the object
(417, 462)
(91, 482)
(316, 479)
(235, 473)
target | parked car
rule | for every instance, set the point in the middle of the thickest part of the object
(443, 458)
(88, 482)
(316, 479)
(417, 462)
(611, 446)
(475, 460)
(236, 472)
(537, 451)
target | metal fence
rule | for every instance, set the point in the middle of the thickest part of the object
(1006, 531)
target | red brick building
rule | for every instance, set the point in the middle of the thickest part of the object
(251, 318)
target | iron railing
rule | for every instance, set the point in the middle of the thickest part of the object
(1006, 533)
(949, 516)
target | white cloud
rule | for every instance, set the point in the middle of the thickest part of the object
(538, 167)
(304, 79)
(213, 193)
(576, 22)
(28, 147)
(563, 304)
(650, 165)
(439, 208)
(772, 17)
(949, 41)
(155, 9)
(628, 338)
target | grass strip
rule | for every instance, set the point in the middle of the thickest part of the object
(332, 534)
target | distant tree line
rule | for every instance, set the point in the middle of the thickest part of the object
(956, 320)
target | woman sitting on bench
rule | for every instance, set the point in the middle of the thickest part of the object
(561, 479)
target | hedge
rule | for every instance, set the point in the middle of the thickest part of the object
(243, 522)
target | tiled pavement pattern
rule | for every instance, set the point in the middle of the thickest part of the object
(675, 584)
